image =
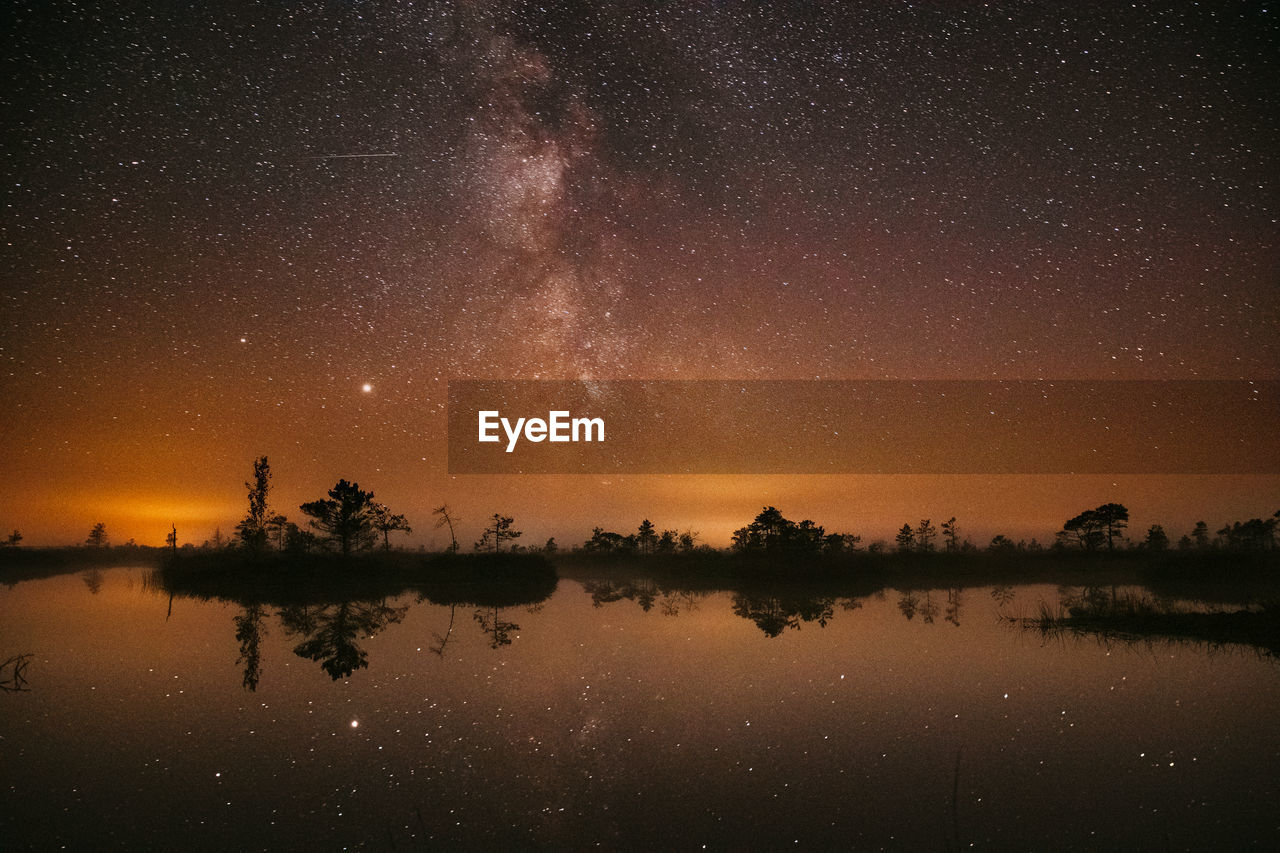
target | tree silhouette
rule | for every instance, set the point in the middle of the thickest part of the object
(906, 540)
(14, 538)
(171, 538)
(1200, 535)
(1256, 534)
(297, 540)
(646, 537)
(1093, 527)
(809, 538)
(384, 521)
(253, 529)
(345, 518)
(1157, 539)
(951, 535)
(925, 534)
(278, 530)
(446, 518)
(1086, 528)
(771, 532)
(498, 531)
(840, 543)
(1114, 518)
(768, 531)
(98, 536)
(606, 541)
(1001, 544)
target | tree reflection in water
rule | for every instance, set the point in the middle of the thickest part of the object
(1137, 616)
(442, 640)
(491, 622)
(953, 606)
(1002, 594)
(13, 674)
(774, 614)
(646, 593)
(330, 632)
(928, 609)
(250, 629)
(912, 603)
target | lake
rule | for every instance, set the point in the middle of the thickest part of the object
(619, 715)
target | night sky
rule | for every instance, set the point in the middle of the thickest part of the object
(239, 229)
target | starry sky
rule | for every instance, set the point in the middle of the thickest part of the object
(244, 228)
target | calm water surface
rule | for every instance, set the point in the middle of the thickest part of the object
(619, 716)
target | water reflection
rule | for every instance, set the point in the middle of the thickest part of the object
(954, 599)
(646, 593)
(908, 603)
(13, 674)
(332, 609)
(928, 608)
(1136, 615)
(488, 598)
(775, 614)
(498, 629)
(777, 608)
(250, 629)
(442, 640)
(912, 603)
(1002, 594)
(330, 633)
(740, 734)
